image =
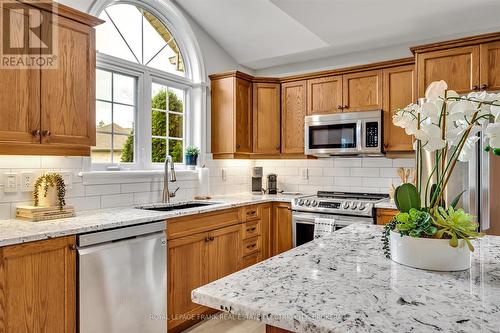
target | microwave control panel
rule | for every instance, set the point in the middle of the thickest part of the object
(372, 129)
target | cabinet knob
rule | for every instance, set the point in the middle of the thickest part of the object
(72, 247)
(238, 146)
(339, 107)
(36, 132)
(46, 133)
(475, 88)
(484, 87)
(345, 107)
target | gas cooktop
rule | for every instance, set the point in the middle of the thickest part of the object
(345, 203)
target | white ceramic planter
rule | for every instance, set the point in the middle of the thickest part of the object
(431, 254)
(50, 200)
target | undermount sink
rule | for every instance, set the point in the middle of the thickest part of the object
(177, 206)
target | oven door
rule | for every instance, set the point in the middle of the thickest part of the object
(338, 138)
(303, 224)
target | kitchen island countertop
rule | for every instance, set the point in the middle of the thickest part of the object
(343, 283)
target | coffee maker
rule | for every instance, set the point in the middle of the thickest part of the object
(257, 175)
(272, 183)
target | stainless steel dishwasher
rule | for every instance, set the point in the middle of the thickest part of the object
(122, 280)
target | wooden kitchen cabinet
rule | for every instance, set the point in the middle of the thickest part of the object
(362, 91)
(398, 93)
(385, 216)
(293, 111)
(231, 117)
(324, 95)
(282, 228)
(52, 111)
(223, 252)
(266, 231)
(459, 67)
(38, 287)
(266, 118)
(490, 66)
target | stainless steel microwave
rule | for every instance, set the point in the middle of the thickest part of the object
(346, 133)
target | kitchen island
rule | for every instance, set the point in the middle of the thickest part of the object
(343, 283)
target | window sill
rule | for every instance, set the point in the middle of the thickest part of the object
(132, 176)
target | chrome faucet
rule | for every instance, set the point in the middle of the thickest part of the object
(168, 179)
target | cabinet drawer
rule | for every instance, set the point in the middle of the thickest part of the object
(251, 213)
(251, 245)
(251, 259)
(250, 229)
(193, 224)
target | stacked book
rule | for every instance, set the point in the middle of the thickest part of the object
(36, 214)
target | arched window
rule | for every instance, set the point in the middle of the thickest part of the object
(143, 88)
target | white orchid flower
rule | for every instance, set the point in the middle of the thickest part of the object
(468, 150)
(495, 111)
(431, 110)
(430, 136)
(436, 90)
(492, 132)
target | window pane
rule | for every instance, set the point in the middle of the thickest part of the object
(175, 125)
(175, 100)
(123, 148)
(128, 20)
(159, 97)
(101, 153)
(175, 149)
(168, 60)
(124, 88)
(159, 123)
(109, 41)
(154, 41)
(103, 85)
(103, 116)
(123, 118)
(159, 150)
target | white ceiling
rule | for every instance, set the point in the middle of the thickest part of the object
(265, 33)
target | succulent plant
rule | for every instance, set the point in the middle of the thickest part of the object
(192, 151)
(456, 224)
(50, 180)
(415, 223)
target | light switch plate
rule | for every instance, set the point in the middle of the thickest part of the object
(10, 182)
(27, 181)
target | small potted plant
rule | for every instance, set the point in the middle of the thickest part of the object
(192, 153)
(50, 191)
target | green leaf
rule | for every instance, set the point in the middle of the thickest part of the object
(496, 151)
(455, 201)
(406, 197)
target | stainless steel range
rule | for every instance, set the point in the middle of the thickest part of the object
(345, 208)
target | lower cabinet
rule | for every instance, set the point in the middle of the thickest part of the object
(38, 287)
(282, 228)
(385, 215)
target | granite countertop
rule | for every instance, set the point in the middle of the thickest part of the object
(18, 231)
(343, 283)
(387, 204)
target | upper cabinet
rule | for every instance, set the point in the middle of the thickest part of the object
(51, 111)
(466, 64)
(266, 118)
(398, 92)
(293, 111)
(325, 95)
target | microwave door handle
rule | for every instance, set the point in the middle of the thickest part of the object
(360, 139)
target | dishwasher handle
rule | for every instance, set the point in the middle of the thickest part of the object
(120, 234)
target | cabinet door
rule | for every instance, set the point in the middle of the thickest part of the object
(224, 254)
(266, 231)
(490, 66)
(243, 116)
(385, 216)
(293, 104)
(266, 118)
(223, 116)
(398, 93)
(324, 95)
(187, 270)
(38, 287)
(282, 228)
(362, 91)
(459, 67)
(68, 92)
(19, 94)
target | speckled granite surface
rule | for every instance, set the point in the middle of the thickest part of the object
(343, 283)
(17, 231)
(386, 204)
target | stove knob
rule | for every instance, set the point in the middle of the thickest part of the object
(354, 206)
(296, 201)
(314, 203)
(308, 202)
(301, 202)
(346, 205)
(362, 206)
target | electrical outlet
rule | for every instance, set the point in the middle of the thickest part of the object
(10, 182)
(68, 179)
(305, 173)
(27, 181)
(224, 174)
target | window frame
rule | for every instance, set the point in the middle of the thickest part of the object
(146, 76)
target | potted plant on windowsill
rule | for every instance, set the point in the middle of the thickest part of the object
(192, 153)
(429, 232)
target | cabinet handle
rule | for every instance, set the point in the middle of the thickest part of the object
(251, 229)
(475, 88)
(36, 132)
(207, 239)
(484, 87)
(345, 107)
(253, 212)
(339, 107)
(251, 246)
(238, 146)
(46, 133)
(72, 247)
